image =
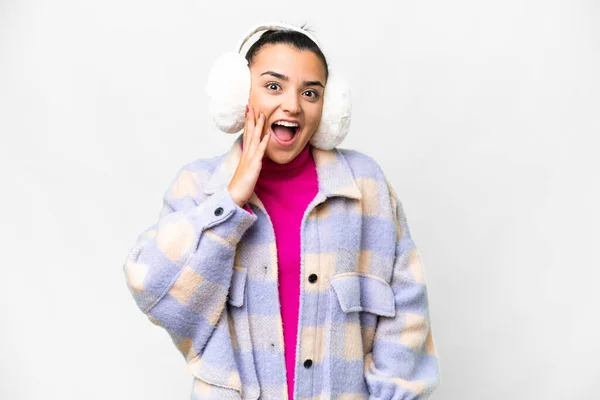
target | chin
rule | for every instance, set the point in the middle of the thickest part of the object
(281, 156)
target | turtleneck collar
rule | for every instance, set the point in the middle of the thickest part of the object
(291, 168)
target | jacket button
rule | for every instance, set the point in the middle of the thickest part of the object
(312, 278)
(307, 363)
(219, 211)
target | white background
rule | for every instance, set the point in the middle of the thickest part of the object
(484, 115)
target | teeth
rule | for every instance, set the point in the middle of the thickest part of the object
(285, 123)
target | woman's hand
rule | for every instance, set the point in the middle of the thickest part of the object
(246, 174)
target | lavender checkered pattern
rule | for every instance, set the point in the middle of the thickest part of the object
(206, 272)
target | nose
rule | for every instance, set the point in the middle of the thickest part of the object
(291, 104)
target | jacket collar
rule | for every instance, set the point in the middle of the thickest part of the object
(333, 173)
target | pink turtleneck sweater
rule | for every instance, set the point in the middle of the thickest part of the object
(286, 190)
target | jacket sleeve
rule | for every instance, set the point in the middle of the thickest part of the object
(403, 364)
(180, 268)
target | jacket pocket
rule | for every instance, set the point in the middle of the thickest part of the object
(216, 369)
(360, 299)
(357, 300)
(202, 390)
(239, 328)
(362, 292)
(226, 368)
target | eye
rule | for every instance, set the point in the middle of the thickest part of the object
(270, 85)
(314, 94)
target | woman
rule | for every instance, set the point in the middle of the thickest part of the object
(285, 268)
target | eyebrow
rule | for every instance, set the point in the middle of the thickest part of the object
(285, 78)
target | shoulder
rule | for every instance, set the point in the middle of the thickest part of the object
(191, 178)
(362, 165)
(203, 166)
(369, 175)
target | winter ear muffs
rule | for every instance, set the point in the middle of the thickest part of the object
(228, 90)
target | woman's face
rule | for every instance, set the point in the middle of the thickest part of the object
(287, 85)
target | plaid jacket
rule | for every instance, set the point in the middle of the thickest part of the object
(206, 272)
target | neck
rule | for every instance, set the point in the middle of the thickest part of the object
(292, 167)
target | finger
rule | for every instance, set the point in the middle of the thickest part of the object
(249, 129)
(253, 142)
(258, 130)
(245, 134)
(251, 120)
(262, 147)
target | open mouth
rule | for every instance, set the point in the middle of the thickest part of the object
(284, 133)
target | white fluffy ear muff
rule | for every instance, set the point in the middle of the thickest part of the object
(228, 90)
(337, 110)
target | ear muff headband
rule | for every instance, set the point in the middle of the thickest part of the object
(228, 89)
(276, 26)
